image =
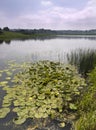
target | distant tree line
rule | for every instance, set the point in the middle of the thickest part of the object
(48, 31)
(56, 32)
(77, 32)
(35, 31)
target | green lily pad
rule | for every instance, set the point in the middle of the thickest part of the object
(72, 106)
(41, 89)
(8, 78)
(19, 121)
(4, 112)
(62, 124)
(6, 104)
(41, 97)
(3, 83)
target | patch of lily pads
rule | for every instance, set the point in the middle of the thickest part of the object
(40, 90)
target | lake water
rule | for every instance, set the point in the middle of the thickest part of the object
(54, 49)
(47, 49)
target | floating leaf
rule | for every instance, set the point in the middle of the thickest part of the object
(41, 97)
(6, 104)
(41, 89)
(9, 73)
(4, 112)
(62, 124)
(19, 121)
(8, 78)
(72, 106)
(3, 83)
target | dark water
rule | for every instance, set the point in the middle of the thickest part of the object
(54, 49)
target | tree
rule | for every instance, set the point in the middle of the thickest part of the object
(6, 29)
(0, 31)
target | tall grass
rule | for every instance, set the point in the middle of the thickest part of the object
(85, 60)
(87, 105)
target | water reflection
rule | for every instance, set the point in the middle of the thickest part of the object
(1, 41)
(54, 49)
(88, 37)
(7, 41)
(44, 38)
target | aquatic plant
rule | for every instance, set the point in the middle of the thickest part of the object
(42, 89)
(85, 60)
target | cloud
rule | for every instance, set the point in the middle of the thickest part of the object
(46, 3)
(54, 16)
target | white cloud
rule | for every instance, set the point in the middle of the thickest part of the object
(46, 3)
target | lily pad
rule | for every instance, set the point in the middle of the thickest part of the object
(3, 83)
(72, 106)
(19, 121)
(41, 89)
(4, 112)
(62, 124)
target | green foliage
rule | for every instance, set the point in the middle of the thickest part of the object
(6, 29)
(43, 89)
(87, 106)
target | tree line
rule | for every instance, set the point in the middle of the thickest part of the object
(48, 31)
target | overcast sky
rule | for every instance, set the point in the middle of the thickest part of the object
(48, 14)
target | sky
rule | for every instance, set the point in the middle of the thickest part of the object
(48, 14)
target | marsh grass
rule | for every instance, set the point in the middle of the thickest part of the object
(84, 60)
(87, 106)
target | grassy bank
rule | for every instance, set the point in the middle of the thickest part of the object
(13, 35)
(87, 105)
(9, 35)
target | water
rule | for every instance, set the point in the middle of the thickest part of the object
(54, 49)
(49, 49)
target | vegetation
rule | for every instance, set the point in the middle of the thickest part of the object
(87, 106)
(49, 89)
(9, 34)
(0, 31)
(41, 90)
(6, 29)
(85, 60)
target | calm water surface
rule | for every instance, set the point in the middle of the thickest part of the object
(34, 50)
(49, 49)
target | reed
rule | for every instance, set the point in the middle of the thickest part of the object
(84, 60)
